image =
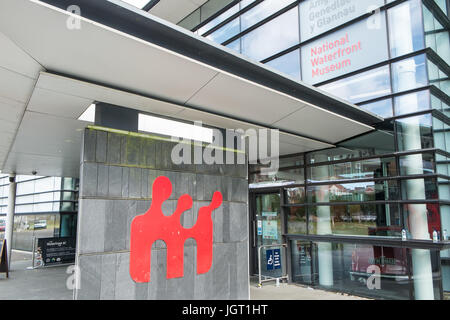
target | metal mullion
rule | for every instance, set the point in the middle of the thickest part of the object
(440, 116)
(438, 61)
(227, 20)
(319, 164)
(374, 202)
(260, 23)
(382, 156)
(215, 15)
(437, 13)
(393, 95)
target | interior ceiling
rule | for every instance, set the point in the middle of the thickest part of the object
(175, 10)
(41, 97)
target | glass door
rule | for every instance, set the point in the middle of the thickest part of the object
(302, 262)
(268, 229)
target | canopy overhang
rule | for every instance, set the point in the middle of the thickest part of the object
(50, 74)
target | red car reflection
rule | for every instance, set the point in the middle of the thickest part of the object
(392, 262)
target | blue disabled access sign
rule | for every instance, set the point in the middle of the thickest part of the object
(277, 259)
(273, 259)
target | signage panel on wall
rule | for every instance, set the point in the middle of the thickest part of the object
(354, 47)
(57, 250)
(269, 259)
(318, 16)
(270, 230)
(277, 259)
(4, 258)
(269, 214)
(260, 228)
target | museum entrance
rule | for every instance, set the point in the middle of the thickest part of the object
(266, 225)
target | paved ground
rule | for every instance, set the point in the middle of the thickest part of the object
(50, 284)
(294, 292)
(37, 284)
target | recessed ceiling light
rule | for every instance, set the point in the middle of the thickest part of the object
(174, 128)
(137, 3)
(88, 115)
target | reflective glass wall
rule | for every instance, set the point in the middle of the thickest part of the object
(45, 207)
(389, 57)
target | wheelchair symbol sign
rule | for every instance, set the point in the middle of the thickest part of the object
(269, 259)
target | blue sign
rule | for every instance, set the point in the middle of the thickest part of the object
(269, 259)
(277, 259)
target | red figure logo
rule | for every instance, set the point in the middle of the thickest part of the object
(153, 225)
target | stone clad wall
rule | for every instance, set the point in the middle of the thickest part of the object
(117, 172)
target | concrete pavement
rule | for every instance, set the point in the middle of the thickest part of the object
(37, 284)
(50, 284)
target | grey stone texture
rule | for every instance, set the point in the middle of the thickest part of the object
(117, 173)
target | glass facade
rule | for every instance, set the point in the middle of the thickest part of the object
(390, 58)
(45, 207)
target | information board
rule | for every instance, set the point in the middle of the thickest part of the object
(269, 259)
(56, 250)
(277, 259)
(270, 230)
(318, 16)
(4, 258)
(349, 49)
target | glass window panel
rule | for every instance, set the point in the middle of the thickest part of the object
(357, 220)
(362, 87)
(440, 134)
(272, 37)
(320, 16)
(43, 207)
(191, 21)
(43, 197)
(24, 199)
(46, 184)
(67, 206)
(297, 220)
(363, 169)
(438, 41)
(382, 108)
(445, 254)
(442, 4)
(438, 104)
(220, 18)
(24, 208)
(438, 77)
(348, 268)
(444, 188)
(235, 45)
(352, 48)
(415, 133)
(422, 163)
(288, 64)
(68, 196)
(291, 161)
(420, 189)
(226, 32)
(211, 7)
(279, 178)
(23, 232)
(295, 195)
(25, 187)
(405, 34)
(351, 192)
(412, 102)
(409, 74)
(262, 11)
(245, 3)
(415, 215)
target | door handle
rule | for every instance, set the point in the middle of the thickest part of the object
(254, 233)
